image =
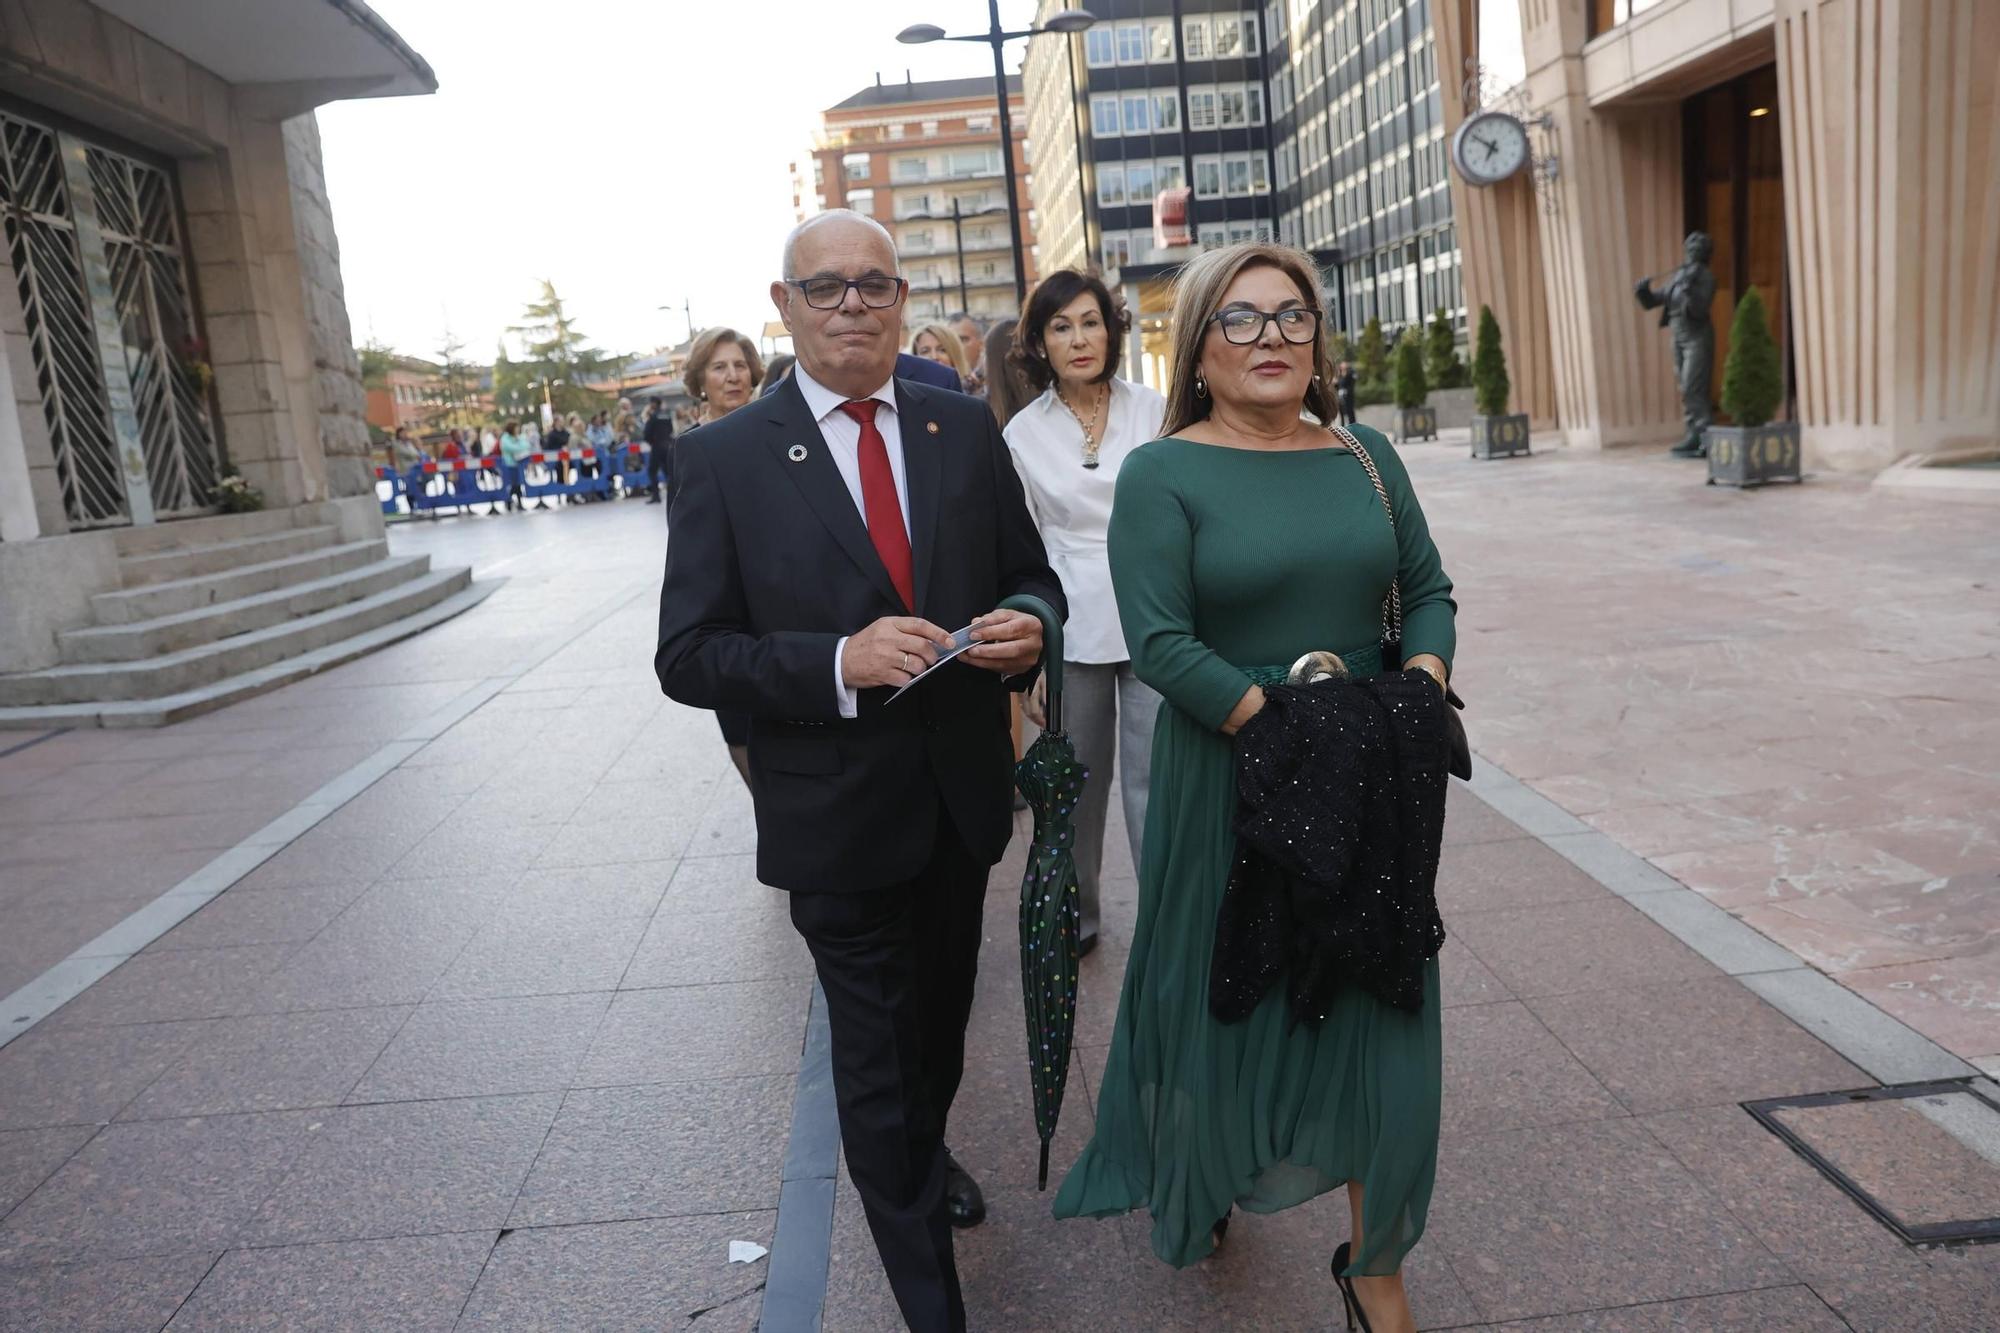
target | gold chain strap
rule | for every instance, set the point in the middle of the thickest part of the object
(1392, 605)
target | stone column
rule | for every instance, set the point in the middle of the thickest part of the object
(1891, 132)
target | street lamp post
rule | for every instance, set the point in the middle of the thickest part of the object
(1070, 20)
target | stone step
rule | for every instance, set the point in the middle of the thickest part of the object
(213, 624)
(183, 532)
(193, 669)
(165, 599)
(230, 689)
(138, 571)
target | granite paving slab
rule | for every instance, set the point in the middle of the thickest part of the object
(114, 1296)
(661, 1150)
(1515, 872)
(715, 1031)
(412, 1284)
(683, 948)
(405, 1168)
(187, 984)
(30, 1156)
(52, 1076)
(1660, 1048)
(661, 1273)
(242, 917)
(154, 1187)
(270, 1062)
(1504, 1070)
(1772, 1310)
(1566, 948)
(520, 955)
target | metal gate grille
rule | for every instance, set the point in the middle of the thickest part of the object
(95, 242)
(41, 241)
(135, 207)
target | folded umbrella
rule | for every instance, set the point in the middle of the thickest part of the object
(1051, 780)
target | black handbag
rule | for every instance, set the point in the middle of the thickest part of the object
(1458, 748)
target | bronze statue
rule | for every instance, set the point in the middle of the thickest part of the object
(1684, 305)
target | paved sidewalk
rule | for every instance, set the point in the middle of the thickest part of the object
(512, 1039)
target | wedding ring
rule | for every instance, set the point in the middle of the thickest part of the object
(906, 664)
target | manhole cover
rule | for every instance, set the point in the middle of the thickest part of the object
(1924, 1158)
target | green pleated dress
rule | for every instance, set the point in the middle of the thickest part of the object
(1228, 565)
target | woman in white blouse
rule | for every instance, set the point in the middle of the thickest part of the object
(1067, 446)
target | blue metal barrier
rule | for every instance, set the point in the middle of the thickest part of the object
(541, 474)
(460, 483)
(630, 469)
(399, 486)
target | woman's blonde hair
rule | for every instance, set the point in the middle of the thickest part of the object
(947, 340)
(703, 351)
(1198, 295)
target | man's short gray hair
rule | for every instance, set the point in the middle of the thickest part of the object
(820, 219)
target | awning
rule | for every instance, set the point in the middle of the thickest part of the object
(300, 53)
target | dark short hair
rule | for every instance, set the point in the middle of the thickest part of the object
(1051, 294)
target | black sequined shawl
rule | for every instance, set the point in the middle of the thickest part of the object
(1340, 810)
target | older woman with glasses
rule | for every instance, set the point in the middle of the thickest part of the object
(1246, 538)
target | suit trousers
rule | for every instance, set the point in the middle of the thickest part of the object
(1107, 710)
(898, 965)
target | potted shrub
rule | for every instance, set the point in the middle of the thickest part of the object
(1415, 420)
(1756, 449)
(1441, 364)
(1496, 433)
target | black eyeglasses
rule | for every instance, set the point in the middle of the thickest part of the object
(826, 293)
(1296, 324)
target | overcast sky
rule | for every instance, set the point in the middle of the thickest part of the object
(634, 153)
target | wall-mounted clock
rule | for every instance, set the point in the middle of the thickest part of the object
(1490, 147)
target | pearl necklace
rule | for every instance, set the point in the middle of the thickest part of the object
(1091, 444)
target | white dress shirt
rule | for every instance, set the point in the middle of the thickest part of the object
(842, 434)
(1071, 503)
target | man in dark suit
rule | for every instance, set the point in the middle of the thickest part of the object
(925, 371)
(659, 437)
(822, 541)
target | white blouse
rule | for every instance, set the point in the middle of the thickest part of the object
(1072, 504)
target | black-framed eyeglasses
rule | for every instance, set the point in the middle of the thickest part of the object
(826, 293)
(1296, 324)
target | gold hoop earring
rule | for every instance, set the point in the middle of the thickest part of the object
(1200, 387)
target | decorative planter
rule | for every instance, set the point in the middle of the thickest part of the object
(1500, 437)
(1416, 423)
(1750, 456)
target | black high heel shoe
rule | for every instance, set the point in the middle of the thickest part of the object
(1220, 1231)
(1349, 1301)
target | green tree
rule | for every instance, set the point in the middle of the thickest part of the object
(559, 360)
(1489, 367)
(1372, 361)
(1339, 348)
(1441, 364)
(458, 381)
(1752, 378)
(376, 359)
(1410, 388)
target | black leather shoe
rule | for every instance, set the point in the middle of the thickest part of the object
(1085, 943)
(963, 1203)
(1689, 449)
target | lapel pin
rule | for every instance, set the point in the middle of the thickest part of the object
(797, 453)
(931, 426)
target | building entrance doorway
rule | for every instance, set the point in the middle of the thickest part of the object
(94, 237)
(1735, 191)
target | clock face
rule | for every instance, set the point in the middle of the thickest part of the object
(1490, 147)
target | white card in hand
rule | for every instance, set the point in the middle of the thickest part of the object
(960, 641)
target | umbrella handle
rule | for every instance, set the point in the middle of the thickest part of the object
(1052, 648)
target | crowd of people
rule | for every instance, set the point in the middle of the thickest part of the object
(1214, 553)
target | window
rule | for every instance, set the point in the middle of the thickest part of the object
(1167, 111)
(1208, 178)
(1212, 235)
(1117, 249)
(1228, 36)
(896, 130)
(1194, 38)
(912, 168)
(1168, 174)
(1110, 186)
(918, 242)
(1253, 98)
(1231, 103)
(1138, 107)
(1250, 42)
(1139, 182)
(1160, 42)
(979, 124)
(1201, 108)
(862, 201)
(1097, 48)
(1104, 114)
(930, 129)
(975, 162)
(1236, 175)
(1131, 44)
(855, 165)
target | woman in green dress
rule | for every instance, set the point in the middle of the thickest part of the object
(1244, 539)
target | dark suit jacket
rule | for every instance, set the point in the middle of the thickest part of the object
(916, 368)
(769, 563)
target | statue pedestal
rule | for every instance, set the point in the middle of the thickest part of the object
(1752, 456)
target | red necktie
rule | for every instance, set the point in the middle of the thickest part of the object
(878, 501)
